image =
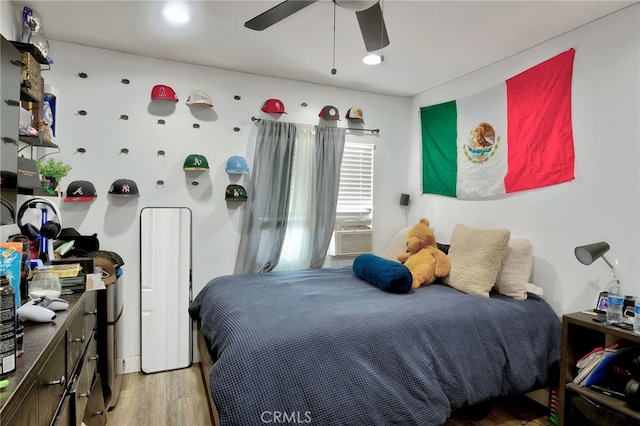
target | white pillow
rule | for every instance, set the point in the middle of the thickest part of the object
(515, 270)
(397, 245)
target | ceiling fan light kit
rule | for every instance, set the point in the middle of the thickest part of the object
(373, 59)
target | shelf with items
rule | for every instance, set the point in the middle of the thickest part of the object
(37, 141)
(32, 50)
(580, 335)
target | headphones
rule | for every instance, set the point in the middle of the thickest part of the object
(51, 229)
(6, 204)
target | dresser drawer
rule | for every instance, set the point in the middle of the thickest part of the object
(76, 337)
(52, 382)
(84, 377)
(90, 312)
(27, 412)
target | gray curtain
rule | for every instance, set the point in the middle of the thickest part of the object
(265, 217)
(330, 147)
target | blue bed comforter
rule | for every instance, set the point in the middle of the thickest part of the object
(326, 348)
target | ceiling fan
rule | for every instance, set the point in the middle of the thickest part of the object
(369, 14)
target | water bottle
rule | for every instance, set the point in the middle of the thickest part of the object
(7, 327)
(615, 301)
(636, 317)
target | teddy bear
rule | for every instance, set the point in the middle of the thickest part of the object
(423, 258)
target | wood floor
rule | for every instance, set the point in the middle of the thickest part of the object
(178, 398)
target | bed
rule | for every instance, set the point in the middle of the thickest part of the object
(325, 347)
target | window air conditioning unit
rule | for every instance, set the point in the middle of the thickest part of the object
(351, 240)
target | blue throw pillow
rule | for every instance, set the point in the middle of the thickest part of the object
(386, 274)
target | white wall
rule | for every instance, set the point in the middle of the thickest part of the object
(602, 203)
(216, 224)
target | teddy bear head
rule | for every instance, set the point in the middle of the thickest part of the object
(420, 236)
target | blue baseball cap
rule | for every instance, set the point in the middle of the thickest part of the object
(237, 165)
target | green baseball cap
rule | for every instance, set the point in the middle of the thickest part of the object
(196, 162)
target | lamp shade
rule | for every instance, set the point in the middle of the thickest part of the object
(587, 254)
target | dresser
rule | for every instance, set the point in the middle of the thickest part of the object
(56, 380)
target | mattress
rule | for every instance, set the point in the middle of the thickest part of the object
(324, 347)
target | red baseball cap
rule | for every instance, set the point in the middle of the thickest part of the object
(161, 91)
(329, 112)
(273, 106)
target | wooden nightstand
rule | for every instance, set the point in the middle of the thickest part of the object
(580, 334)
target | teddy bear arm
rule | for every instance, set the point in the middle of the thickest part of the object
(402, 257)
(443, 265)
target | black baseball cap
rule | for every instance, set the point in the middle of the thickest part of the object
(81, 191)
(124, 188)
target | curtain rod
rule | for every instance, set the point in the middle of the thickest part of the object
(377, 131)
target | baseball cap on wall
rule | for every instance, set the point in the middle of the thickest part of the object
(237, 165)
(235, 193)
(80, 191)
(273, 106)
(196, 162)
(329, 112)
(355, 114)
(124, 188)
(162, 91)
(198, 97)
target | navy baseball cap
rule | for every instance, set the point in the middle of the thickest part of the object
(124, 188)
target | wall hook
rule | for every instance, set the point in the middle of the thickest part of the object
(82, 112)
(124, 151)
(194, 183)
(196, 126)
(81, 150)
(237, 97)
(124, 81)
(124, 117)
(236, 129)
(304, 104)
(160, 153)
(160, 183)
(82, 75)
(161, 121)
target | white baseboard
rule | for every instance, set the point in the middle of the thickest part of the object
(128, 365)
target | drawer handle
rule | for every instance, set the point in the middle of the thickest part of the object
(94, 312)
(11, 102)
(60, 382)
(85, 395)
(94, 358)
(78, 340)
(98, 413)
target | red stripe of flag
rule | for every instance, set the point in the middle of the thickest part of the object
(539, 134)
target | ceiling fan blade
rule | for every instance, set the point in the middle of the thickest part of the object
(372, 27)
(277, 14)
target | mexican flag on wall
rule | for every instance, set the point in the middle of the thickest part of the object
(513, 137)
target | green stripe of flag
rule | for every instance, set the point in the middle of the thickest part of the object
(439, 164)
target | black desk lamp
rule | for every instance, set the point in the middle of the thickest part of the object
(588, 254)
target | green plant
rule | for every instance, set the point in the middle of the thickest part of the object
(54, 169)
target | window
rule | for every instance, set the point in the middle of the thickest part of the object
(355, 195)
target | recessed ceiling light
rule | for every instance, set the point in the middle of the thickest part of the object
(176, 12)
(373, 59)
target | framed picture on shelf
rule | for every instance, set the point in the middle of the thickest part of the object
(601, 305)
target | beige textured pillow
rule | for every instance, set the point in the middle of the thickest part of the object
(476, 256)
(397, 245)
(515, 271)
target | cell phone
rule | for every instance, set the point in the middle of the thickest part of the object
(623, 325)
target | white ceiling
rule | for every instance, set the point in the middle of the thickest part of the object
(432, 42)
